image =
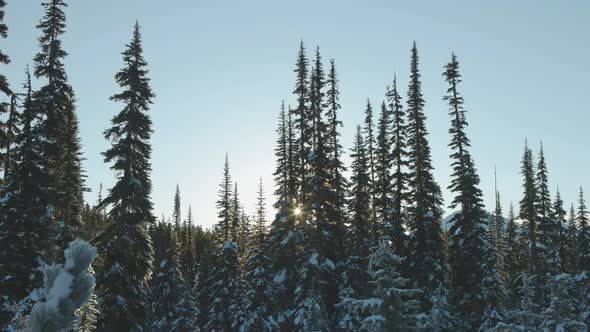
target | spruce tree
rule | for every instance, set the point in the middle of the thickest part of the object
(257, 274)
(282, 172)
(383, 203)
(572, 248)
(548, 228)
(528, 213)
(392, 304)
(224, 203)
(167, 280)
(354, 278)
(562, 313)
(302, 124)
(188, 256)
(176, 213)
(322, 212)
(512, 261)
(60, 144)
(128, 252)
(21, 255)
(335, 149)
(582, 221)
(559, 218)
(224, 281)
(370, 142)
(399, 175)
(467, 234)
(425, 242)
(5, 88)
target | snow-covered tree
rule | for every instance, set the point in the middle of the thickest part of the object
(68, 287)
(126, 246)
(392, 303)
(562, 313)
(425, 245)
(441, 316)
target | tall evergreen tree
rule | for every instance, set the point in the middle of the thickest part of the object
(528, 212)
(572, 248)
(400, 163)
(282, 172)
(383, 204)
(61, 150)
(334, 149)
(4, 88)
(302, 124)
(224, 281)
(548, 228)
(370, 142)
(467, 235)
(236, 214)
(128, 252)
(176, 213)
(425, 243)
(582, 221)
(354, 277)
(559, 217)
(20, 225)
(224, 203)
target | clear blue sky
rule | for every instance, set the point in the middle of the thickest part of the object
(221, 68)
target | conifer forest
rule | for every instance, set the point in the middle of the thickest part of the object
(360, 238)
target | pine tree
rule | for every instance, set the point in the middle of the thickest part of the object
(399, 176)
(87, 315)
(392, 303)
(562, 313)
(512, 261)
(582, 221)
(257, 276)
(334, 151)
(493, 292)
(302, 124)
(282, 173)
(572, 248)
(370, 142)
(526, 316)
(5, 88)
(12, 131)
(425, 243)
(548, 228)
(224, 281)
(528, 212)
(497, 236)
(440, 317)
(167, 279)
(188, 246)
(321, 231)
(71, 184)
(383, 203)
(235, 216)
(559, 218)
(285, 234)
(128, 252)
(21, 226)
(60, 144)
(224, 203)
(354, 277)
(467, 234)
(176, 213)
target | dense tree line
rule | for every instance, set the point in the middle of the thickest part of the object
(359, 247)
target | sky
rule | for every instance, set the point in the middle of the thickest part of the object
(221, 68)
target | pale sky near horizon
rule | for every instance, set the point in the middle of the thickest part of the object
(221, 68)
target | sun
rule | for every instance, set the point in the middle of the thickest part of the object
(297, 211)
